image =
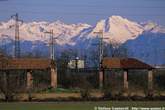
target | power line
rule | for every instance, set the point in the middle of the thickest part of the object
(82, 13)
(101, 46)
(17, 39)
(101, 52)
(86, 5)
(51, 44)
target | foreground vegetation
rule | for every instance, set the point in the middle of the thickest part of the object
(76, 105)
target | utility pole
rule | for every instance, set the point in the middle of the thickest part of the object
(101, 47)
(101, 34)
(3, 42)
(51, 44)
(52, 57)
(76, 64)
(17, 40)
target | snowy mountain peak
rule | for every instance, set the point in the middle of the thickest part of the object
(116, 28)
(144, 41)
(148, 26)
(119, 29)
(33, 31)
(153, 27)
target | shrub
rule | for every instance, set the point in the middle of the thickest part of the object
(85, 89)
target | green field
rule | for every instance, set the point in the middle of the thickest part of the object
(76, 105)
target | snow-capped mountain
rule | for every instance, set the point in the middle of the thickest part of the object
(141, 39)
(34, 31)
(119, 29)
(115, 28)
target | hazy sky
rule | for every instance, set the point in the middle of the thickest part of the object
(86, 11)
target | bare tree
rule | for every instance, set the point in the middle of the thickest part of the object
(62, 65)
(10, 85)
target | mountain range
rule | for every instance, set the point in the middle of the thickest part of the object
(144, 41)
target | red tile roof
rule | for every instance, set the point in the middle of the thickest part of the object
(124, 63)
(26, 63)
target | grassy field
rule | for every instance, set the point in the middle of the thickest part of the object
(76, 105)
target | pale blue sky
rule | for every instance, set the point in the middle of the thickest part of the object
(85, 11)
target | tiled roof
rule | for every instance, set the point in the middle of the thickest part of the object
(25, 63)
(124, 63)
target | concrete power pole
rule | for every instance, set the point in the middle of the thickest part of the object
(101, 35)
(17, 40)
(51, 44)
(101, 52)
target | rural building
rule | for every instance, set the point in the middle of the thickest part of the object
(126, 64)
(29, 64)
(76, 64)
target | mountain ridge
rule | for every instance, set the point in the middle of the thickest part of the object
(81, 36)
